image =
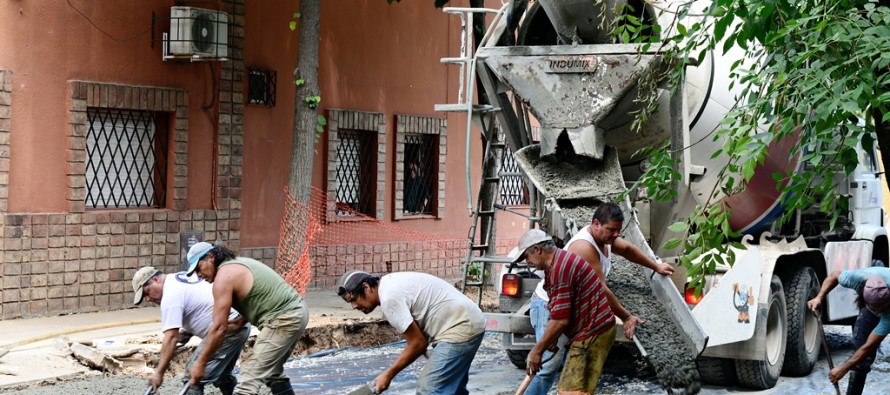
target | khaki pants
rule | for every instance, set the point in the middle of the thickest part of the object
(584, 362)
(274, 345)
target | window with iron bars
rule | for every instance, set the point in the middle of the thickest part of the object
(514, 190)
(421, 170)
(126, 154)
(356, 171)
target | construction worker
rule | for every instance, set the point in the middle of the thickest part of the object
(578, 308)
(186, 310)
(872, 325)
(265, 300)
(427, 311)
(594, 243)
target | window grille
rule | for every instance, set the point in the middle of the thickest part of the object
(261, 87)
(514, 191)
(356, 170)
(421, 169)
(126, 154)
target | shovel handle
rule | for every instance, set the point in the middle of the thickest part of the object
(185, 388)
(524, 385)
(149, 390)
(837, 387)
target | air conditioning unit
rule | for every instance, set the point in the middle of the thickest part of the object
(198, 33)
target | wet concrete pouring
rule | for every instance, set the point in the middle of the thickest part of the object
(670, 356)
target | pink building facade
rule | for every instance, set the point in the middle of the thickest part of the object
(115, 154)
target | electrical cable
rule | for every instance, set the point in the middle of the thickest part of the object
(140, 34)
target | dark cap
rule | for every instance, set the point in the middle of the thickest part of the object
(350, 281)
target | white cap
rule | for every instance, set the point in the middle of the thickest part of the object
(530, 238)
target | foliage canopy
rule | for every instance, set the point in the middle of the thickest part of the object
(817, 71)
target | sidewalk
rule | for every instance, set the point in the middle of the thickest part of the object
(33, 356)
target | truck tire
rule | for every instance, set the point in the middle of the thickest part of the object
(763, 374)
(803, 330)
(719, 371)
(517, 357)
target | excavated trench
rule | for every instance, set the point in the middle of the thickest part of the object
(326, 338)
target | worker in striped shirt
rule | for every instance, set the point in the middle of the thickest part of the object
(578, 307)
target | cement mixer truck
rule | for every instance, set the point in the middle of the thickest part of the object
(561, 95)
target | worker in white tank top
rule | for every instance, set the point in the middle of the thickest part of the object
(602, 238)
(603, 234)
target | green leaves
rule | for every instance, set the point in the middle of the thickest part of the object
(320, 123)
(293, 23)
(814, 69)
(312, 101)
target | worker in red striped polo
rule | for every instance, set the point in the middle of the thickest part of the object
(578, 307)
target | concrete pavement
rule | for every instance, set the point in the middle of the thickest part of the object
(33, 357)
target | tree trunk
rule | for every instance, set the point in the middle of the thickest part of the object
(305, 120)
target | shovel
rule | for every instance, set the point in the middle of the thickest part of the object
(524, 385)
(365, 389)
(528, 377)
(149, 390)
(827, 351)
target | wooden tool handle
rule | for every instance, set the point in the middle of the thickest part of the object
(524, 385)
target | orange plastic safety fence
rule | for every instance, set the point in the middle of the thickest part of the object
(324, 239)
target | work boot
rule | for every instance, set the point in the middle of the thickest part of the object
(227, 387)
(856, 383)
(282, 388)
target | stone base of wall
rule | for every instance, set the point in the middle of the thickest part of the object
(439, 258)
(72, 263)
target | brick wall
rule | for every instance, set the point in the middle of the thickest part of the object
(84, 260)
(439, 258)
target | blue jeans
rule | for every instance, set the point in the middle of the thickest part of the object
(218, 371)
(549, 372)
(447, 370)
(865, 324)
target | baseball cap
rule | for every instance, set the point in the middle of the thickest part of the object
(875, 291)
(528, 239)
(142, 277)
(351, 280)
(195, 254)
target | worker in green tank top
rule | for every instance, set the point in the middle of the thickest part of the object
(262, 297)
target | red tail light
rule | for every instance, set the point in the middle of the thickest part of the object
(690, 296)
(510, 284)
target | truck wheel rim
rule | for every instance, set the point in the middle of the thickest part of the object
(775, 334)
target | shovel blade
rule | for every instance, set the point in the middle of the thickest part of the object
(363, 390)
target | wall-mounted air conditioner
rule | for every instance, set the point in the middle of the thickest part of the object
(197, 33)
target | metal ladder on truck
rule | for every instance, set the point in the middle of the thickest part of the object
(481, 249)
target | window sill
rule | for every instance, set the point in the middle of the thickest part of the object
(351, 218)
(404, 217)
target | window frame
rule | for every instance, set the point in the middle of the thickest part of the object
(357, 121)
(173, 102)
(423, 125)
